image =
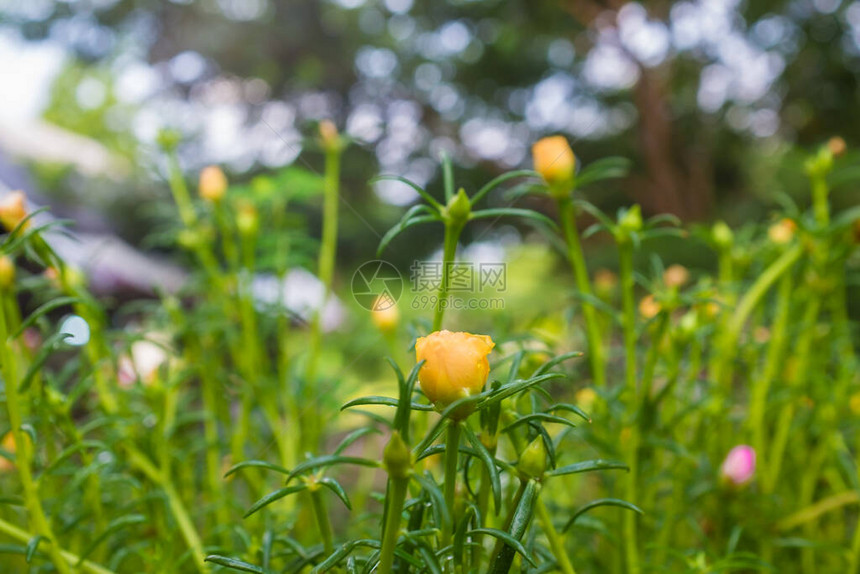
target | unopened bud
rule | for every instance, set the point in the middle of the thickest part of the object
(459, 208)
(837, 146)
(7, 272)
(676, 276)
(385, 314)
(631, 220)
(397, 458)
(13, 209)
(213, 184)
(328, 135)
(248, 219)
(533, 460)
(722, 235)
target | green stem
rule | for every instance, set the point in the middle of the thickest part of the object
(630, 525)
(24, 452)
(556, 543)
(449, 252)
(24, 537)
(452, 457)
(328, 252)
(397, 491)
(625, 272)
(322, 520)
(773, 361)
(786, 416)
(745, 306)
(567, 214)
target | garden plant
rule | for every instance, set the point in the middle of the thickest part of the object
(661, 418)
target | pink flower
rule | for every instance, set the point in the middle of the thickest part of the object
(739, 466)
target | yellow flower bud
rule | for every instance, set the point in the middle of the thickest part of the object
(13, 209)
(213, 184)
(248, 219)
(782, 231)
(328, 135)
(649, 307)
(7, 272)
(7, 444)
(605, 282)
(385, 314)
(455, 367)
(837, 146)
(555, 162)
(676, 276)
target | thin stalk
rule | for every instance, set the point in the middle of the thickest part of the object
(556, 543)
(24, 537)
(322, 520)
(630, 526)
(452, 457)
(783, 425)
(773, 361)
(325, 264)
(449, 252)
(397, 491)
(746, 305)
(567, 214)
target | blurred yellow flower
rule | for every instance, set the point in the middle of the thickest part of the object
(854, 403)
(7, 444)
(605, 282)
(782, 231)
(7, 272)
(676, 276)
(213, 184)
(554, 160)
(649, 307)
(455, 367)
(13, 209)
(385, 314)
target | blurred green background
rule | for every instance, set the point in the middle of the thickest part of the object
(715, 101)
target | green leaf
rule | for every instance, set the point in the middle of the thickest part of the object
(44, 310)
(114, 526)
(385, 401)
(354, 436)
(601, 502)
(606, 168)
(421, 191)
(518, 386)
(336, 488)
(402, 226)
(508, 540)
(329, 460)
(489, 464)
(539, 417)
(234, 564)
(256, 464)
(48, 347)
(588, 466)
(494, 183)
(460, 537)
(32, 546)
(438, 506)
(513, 212)
(447, 175)
(273, 496)
(341, 553)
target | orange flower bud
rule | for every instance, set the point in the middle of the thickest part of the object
(837, 146)
(328, 135)
(649, 307)
(7, 272)
(7, 444)
(782, 231)
(605, 282)
(455, 367)
(213, 184)
(554, 160)
(676, 276)
(13, 209)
